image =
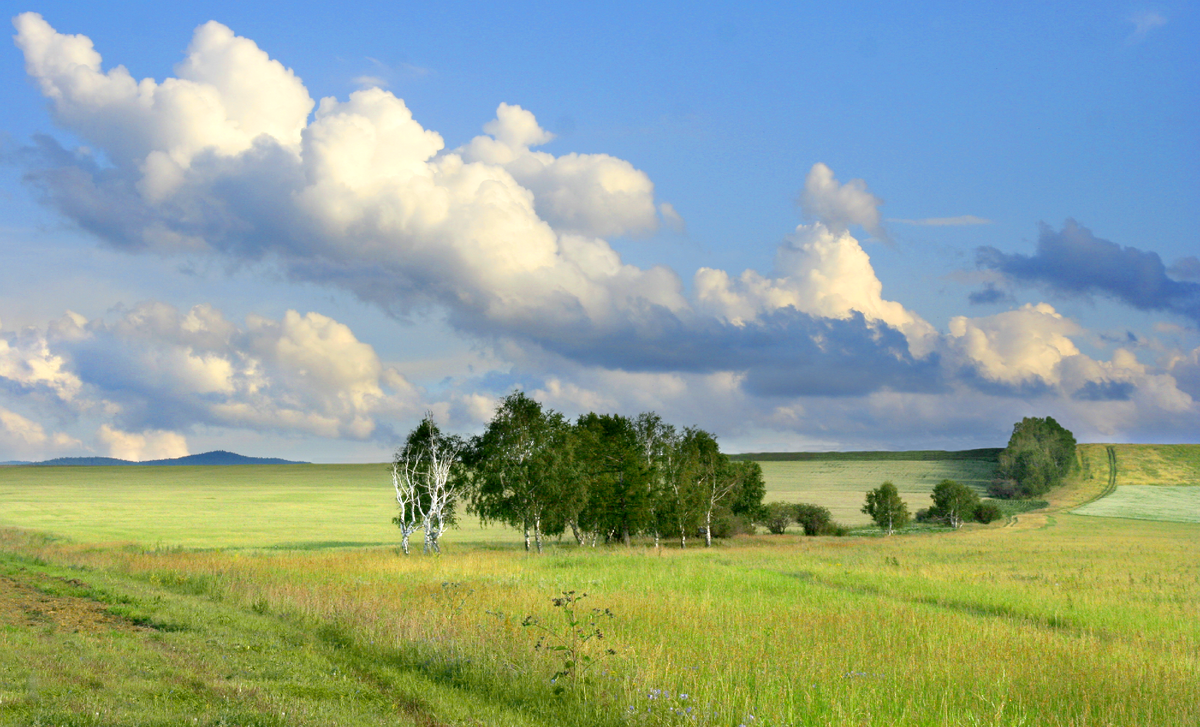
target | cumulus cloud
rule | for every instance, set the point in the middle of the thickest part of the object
(1074, 261)
(22, 437)
(156, 370)
(139, 447)
(504, 237)
(840, 205)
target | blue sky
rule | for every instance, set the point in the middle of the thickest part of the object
(801, 228)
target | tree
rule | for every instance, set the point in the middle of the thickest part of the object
(523, 464)
(815, 519)
(777, 516)
(426, 482)
(660, 444)
(617, 475)
(953, 502)
(706, 473)
(1040, 453)
(886, 508)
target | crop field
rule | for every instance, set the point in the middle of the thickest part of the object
(1052, 619)
(1148, 482)
(841, 485)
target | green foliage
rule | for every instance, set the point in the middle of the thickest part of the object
(953, 502)
(569, 642)
(525, 473)
(616, 476)
(1040, 453)
(777, 516)
(886, 508)
(815, 520)
(987, 512)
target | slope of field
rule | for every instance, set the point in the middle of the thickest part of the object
(307, 506)
(1146, 481)
(841, 484)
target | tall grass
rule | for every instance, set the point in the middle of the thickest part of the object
(1069, 624)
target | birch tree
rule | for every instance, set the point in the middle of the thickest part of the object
(426, 483)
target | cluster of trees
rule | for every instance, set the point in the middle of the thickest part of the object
(603, 477)
(953, 503)
(814, 519)
(1040, 453)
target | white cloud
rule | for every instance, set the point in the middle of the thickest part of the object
(503, 237)
(586, 194)
(1143, 22)
(945, 221)
(672, 218)
(24, 438)
(1016, 347)
(140, 447)
(840, 205)
(821, 271)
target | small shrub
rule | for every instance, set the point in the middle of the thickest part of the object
(777, 516)
(836, 529)
(1003, 488)
(925, 515)
(726, 525)
(814, 519)
(987, 512)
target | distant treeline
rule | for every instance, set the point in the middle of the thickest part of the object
(988, 454)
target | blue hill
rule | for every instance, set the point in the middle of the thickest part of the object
(218, 457)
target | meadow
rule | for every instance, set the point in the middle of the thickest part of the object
(1146, 482)
(1048, 619)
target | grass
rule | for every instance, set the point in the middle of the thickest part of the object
(1148, 502)
(1144, 481)
(841, 485)
(1051, 619)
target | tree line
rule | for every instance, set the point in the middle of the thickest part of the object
(603, 478)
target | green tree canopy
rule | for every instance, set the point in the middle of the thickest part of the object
(886, 508)
(954, 502)
(1040, 453)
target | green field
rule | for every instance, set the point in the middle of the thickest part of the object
(840, 485)
(1146, 482)
(320, 506)
(1049, 619)
(1146, 502)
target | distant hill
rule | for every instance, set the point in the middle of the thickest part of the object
(13, 462)
(990, 454)
(219, 457)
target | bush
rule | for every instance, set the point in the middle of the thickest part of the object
(726, 524)
(777, 516)
(836, 529)
(814, 519)
(925, 515)
(987, 512)
(1003, 488)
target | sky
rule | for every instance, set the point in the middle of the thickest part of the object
(862, 226)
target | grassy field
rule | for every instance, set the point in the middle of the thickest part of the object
(322, 506)
(841, 485)
(256, 506)
(1051, 619)
(1146, 482)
